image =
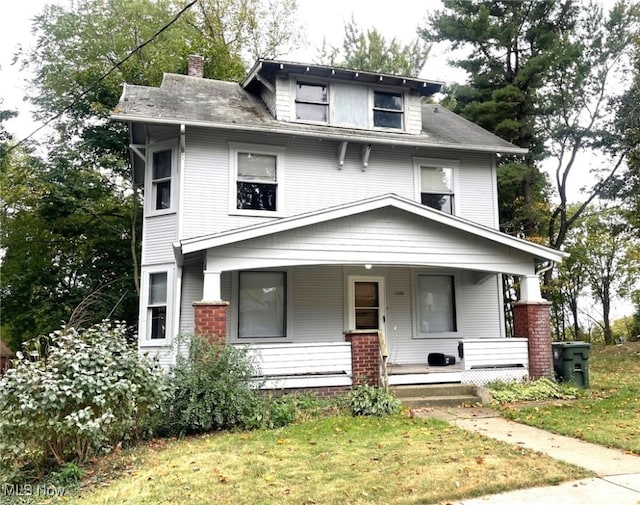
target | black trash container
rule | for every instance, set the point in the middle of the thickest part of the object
(571, 362)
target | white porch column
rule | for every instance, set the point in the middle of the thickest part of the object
(211, 291)
(530, 289)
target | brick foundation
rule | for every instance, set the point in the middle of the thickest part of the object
(531, 320)
(319, 392)
(365, 356)
(211, 320)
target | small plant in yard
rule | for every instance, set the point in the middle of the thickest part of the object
(72, 395)
(366, 400)
(533, 390)
(212, 389)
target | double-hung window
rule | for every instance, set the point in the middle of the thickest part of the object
(157, 306)
(312, 102)
(435, 304)
(435, 184)
(388, 110)
(162, 189)
(257, 180)
(262, 304)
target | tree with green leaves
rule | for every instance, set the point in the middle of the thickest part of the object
(71, 221)
(539, 76)
(370, 51)
(611, 261)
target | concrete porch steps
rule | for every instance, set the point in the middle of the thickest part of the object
(437, 395)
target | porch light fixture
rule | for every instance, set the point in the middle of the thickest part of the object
(368, 266)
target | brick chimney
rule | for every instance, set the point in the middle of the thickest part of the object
(196, 66)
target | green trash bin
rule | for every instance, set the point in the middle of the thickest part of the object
(571, 362)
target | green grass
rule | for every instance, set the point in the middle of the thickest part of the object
(607, 414)
(334, 460)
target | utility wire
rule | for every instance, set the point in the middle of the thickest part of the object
(103, 77)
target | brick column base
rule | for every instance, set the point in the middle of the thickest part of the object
(365, 356)
(531, 320)
(211, 320)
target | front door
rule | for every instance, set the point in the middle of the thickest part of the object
(366, 303)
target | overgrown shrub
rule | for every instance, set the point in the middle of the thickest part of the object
(534, 390)
(74, 394)
(367, 400)
(212, 389)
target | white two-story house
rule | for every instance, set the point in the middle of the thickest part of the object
(334, 220)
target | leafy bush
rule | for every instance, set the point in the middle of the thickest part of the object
(282, 411)
(367, 400)
(73, 394)
(212, 388)
(535, 390)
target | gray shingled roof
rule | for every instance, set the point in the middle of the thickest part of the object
(188, 100)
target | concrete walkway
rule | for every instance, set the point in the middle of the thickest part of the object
(618, 480)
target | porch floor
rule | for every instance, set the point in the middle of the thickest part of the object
(419, 368)
(419, 373)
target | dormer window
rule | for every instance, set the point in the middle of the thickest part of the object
(388, 109)
(312, 102)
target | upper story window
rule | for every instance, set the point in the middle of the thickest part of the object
(162, 192)
(257, 185)
(435, 181)
(312, 102)
(388, 109)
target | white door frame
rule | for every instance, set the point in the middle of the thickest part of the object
(382, 299)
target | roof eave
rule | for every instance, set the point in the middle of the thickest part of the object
(224, 238)
(338, 136)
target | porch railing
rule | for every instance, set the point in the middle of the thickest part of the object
(301, 365)
(495, 353)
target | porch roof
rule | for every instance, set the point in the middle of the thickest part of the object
(205, 242)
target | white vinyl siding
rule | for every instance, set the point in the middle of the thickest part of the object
(381, 236)
(413, 113)
(158, 234)
(192, 284)
(283, 99)
(314, 182)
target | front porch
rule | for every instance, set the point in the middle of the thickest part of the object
(332, 364)
(330, 298)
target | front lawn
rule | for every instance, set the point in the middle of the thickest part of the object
(335, 460)
(608, 414)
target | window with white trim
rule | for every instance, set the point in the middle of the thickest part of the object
(388, 110)
(262, 304)
(435, 184)
(161, 183)
(257, 179)
(435, 304)
(157, 306)
(312, 102)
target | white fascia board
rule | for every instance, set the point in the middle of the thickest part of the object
(260, 230)
(337, 136)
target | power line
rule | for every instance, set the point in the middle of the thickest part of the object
(103, 77)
